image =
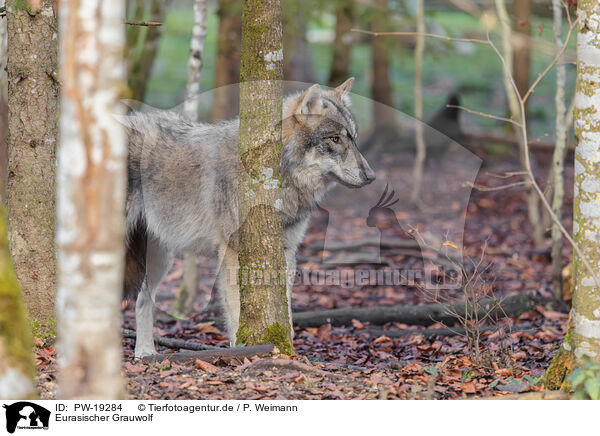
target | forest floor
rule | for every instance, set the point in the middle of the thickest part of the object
(355, 361)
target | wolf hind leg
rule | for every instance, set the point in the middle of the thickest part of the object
(290, 258)
(229, 291)
(158, 261)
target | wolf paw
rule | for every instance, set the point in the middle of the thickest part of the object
(144, 351)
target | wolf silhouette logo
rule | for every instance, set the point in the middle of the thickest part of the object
(24, 414)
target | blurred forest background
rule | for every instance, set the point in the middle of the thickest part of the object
(471, 70)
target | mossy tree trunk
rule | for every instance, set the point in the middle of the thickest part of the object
(583, 337)
(32, 134)
(340, 64)
(91, 199)
(17, 369)
(227, 64)
(264, 314)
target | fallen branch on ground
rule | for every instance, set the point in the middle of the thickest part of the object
(441, 332)
(419, 315)
(212, 355)
(174, 343)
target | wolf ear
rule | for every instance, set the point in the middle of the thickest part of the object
(343, 90)
(309, 100)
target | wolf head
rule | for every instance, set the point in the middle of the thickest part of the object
(320, 137)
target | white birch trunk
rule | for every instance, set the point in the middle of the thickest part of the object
(189, 290)
(586, 207)
(196, 59)
(91, 199)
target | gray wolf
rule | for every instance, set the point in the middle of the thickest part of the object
(182, 191)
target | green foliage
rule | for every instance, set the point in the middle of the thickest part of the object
(585, 381)
(43, 331)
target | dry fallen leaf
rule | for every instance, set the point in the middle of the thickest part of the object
(205, 366)
(450, 244)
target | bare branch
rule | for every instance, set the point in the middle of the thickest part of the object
(429, 35)
(483, 114)
(144, 23)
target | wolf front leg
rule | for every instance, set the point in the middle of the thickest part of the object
(229, 290)
(158, 262)
(290, 259)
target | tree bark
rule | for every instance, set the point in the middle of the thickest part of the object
(188, 292)
(586, 208)
(3, 107)
(32, 133)
(340, 64)
(142, 46)
(583, 335)
(227, 65)
(264, 316)
(17, 370)
(91, 199)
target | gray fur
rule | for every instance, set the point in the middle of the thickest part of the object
(182, 190)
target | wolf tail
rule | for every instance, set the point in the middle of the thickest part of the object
(135, 261)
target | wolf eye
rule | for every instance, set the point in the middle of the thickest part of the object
(335, 139)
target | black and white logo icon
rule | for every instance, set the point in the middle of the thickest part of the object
(26, 415)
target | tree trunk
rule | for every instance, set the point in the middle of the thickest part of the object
(142, 46)
(583, 336)
(32, 133)
(419, 165)
(522, 13)
(586, 209)
(558, 160)
(381, 85)
(340, 64)
(264, 316)
(3, 108)
(17, 369)
(227, 66)
(188, 292)
(91, 200)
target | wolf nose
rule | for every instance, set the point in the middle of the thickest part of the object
(369, 175)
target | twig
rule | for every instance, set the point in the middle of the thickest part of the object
(483, 114)
(554, 61)
(144, 23)
(499, 188)
(430, 35)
